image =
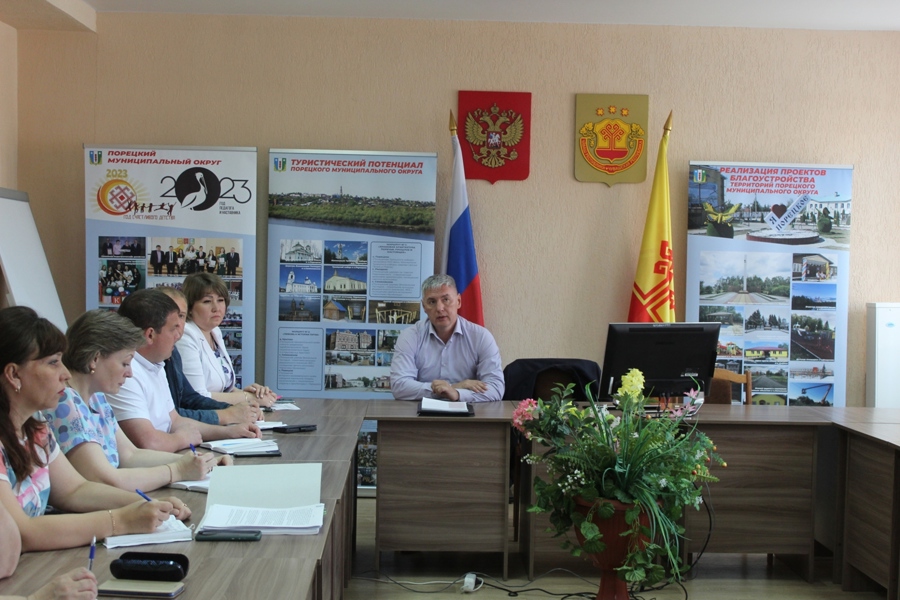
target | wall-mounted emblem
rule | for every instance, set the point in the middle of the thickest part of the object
(495, 136)
(610, 138)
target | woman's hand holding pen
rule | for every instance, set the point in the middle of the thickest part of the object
(193, 467)
(142, 516)
(79, 584)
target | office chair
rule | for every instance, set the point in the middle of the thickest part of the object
(536, 378)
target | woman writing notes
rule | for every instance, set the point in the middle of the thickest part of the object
(101, 345)
(34, 473)
(206, 362)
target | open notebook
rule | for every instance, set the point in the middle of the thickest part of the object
(171, 530)
(240, 446)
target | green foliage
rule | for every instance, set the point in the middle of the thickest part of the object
(656, 465)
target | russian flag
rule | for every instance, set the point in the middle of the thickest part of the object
(458, 259)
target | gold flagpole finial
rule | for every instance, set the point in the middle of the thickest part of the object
(668, 125)
(452, 124)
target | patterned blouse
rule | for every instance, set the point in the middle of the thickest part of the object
(75, 422)
(33, 493)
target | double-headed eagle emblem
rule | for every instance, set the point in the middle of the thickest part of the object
(492, 135)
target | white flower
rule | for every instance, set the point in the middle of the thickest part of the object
(663, 483)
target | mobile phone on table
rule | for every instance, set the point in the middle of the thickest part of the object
(253, 453)
(139, 588)
(228, 535)
(293, 428)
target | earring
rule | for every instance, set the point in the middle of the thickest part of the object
(92, 371)
(18, 387)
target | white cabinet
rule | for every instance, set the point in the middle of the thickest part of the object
(882, 354)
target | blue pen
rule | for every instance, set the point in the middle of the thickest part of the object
(144, 496)
(194, 450)
(91, 557)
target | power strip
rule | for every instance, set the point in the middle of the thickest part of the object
(469, 582)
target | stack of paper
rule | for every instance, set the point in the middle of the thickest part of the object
(171, 530)
(300, 520)
(241, 445)
(281, 498)
(442, 406)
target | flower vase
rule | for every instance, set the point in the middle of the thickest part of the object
(617, 547)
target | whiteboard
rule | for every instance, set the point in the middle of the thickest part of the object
(23, 262)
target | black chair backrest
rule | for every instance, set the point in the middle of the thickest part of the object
(536, 377)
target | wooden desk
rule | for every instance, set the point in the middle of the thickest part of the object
(443, 482)
(869, 503)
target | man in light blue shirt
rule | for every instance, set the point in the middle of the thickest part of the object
(446, 356)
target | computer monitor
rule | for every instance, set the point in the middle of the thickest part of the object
(673, 357)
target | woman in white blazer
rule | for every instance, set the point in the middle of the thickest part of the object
(206, 363)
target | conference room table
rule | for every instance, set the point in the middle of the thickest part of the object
(307, 567)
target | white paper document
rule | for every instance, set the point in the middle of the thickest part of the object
(432, 405)
(299, 520)
(241, 445)
(263, 425)
(171, 530)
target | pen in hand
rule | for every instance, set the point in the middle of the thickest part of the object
(144, 496)
(194, 450)
(91, 556)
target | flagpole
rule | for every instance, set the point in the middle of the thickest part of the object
(453, 123)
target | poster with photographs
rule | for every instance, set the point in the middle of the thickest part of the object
(768, 258)
(157, 215)
(351, 238)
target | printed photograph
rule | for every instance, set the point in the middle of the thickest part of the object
(294, 279)
(299, 307)
(387, 338)
(804, 393)
(393, 313)
(350, 358)
(171, 256)
(814, 296)
(346, 253)
(301, 251)
(814, 267)
(767, 323)
(121, 247)
(119, 278)
(744, 278)
(345, 280)
(769, 378)
(766, 351)
(730, 317)
(812, 370)
(351, 309)
(349, 339)
(813, 335)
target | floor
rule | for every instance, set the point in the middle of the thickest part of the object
(406, 575)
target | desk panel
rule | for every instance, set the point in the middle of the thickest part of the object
(443, 485)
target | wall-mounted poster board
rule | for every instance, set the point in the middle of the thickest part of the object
(155, 215)
(351, 238)
(25, 278)
(768, 257)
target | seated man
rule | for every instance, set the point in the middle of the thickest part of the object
(144, 406)
(446, 356)
(190, 403)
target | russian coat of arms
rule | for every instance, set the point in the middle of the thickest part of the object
(492, 135)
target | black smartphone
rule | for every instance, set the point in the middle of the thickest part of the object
(228, 535)
(252, 453)
(293, 428)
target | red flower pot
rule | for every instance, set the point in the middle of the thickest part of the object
(617, 547)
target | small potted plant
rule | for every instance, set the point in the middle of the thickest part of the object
(601, 463)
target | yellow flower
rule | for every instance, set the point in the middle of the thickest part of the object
(632, 383)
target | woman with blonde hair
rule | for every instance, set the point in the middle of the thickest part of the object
(101, 346)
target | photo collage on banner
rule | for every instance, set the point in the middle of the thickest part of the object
(156, 215)
(768, 258)
(351, 238)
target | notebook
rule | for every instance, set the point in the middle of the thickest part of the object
(201, 485)
(241, 445)
(171, 530)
